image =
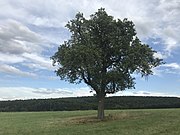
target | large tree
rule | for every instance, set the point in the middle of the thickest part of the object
(104, 53)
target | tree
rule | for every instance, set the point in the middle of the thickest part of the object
(104, 53)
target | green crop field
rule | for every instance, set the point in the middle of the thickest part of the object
(117, 122)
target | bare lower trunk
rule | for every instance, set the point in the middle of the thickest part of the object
(101, 107)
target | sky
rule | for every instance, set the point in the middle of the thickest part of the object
(32, 30)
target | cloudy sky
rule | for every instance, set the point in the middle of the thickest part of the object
(31, 31)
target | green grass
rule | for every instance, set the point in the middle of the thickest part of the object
(124, 122)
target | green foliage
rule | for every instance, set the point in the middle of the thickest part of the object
(104, 53)
(89, 103)
(125, 122)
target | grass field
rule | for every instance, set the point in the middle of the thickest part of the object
(117, 122)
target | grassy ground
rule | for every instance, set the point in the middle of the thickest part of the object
(124, 122)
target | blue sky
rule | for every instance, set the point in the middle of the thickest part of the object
(32, 30)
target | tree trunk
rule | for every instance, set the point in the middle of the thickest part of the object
(101, 99)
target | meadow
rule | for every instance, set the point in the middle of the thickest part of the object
(117, 122)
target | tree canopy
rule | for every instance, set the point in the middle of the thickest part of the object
(104, 53)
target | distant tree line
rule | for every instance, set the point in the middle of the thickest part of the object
(89, 103)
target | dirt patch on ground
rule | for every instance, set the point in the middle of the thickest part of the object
(93, 119)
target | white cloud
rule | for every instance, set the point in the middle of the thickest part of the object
(32, 61)
(142, 93)
(172, 65)
(169, 12)
(145, 93)
(16, 38)
(152, 18)
(13, 70)
(52, 91)
(10, 58)
(12, 93)
(161, 55)
(19, 45)
(159, 18)
(158, 72)
(169, 68)
(38, 62)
